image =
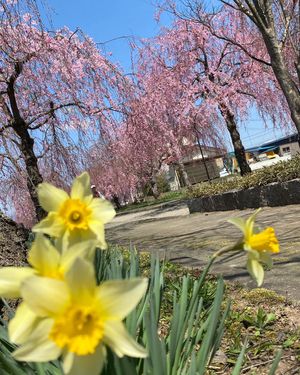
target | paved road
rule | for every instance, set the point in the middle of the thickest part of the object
(190, 240)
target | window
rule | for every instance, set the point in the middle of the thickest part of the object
(286, 150)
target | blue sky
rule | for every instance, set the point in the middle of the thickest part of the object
(105, 20)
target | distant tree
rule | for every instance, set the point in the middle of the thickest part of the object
(267, 31)
(58, 94)
(278, 22)
(216, 79)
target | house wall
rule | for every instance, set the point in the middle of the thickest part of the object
(289, 149)
(197, 173)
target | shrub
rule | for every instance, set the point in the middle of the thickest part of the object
(280, 172)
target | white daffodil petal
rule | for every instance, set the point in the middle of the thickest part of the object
(11, 279)
(238, 222)
(118, 339)
(67, 361)
(88, 364)
(39, 348)
(45, 296)
(22, 324)
(50, 197)
(266, 258)
(81, 187)
(102, 210)
(97, 227)
(256, 271)
(51, 225)
(250, 223)
(43, 256)
(252, 254)
(119, 298)
(83, 249)
(81, 280)
(37, 351)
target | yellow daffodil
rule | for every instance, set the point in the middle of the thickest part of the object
(259, 245)
(78, 319)
(45, 260)
(76, 217)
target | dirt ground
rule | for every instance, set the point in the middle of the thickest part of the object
(13, 240)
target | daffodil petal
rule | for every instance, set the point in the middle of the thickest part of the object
(83, 249)
(238, 222)
(67, 361)
(43, 256)
(50, 197)
(11, 279)
(256, 271)
(81, 187)
(119, 298)
(45, 296)
(88, 364)
(52, 225)
(78, 235)
(118, 339)
(81, 280)
(39, 348)
(250, 224)
(266, 258)
(102, 210)
(22, 324)
(97, 227)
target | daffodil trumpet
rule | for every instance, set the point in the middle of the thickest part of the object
(259, 245)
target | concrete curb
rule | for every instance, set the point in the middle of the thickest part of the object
(154, 207)
(274, 194)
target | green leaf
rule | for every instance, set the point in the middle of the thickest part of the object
(240, 360)
(275, 363)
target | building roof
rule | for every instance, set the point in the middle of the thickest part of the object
(273, 145)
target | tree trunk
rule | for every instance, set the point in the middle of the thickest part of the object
(154, 188)
(281, 72)
(26, 143)
(239, 149)
(183, 174)
(34, 178)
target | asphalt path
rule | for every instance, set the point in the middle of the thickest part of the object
(190, 240)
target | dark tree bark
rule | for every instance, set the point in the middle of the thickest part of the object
(239, 149)
(26, 143)
(261, 13)
(281, 72)
(34, 178)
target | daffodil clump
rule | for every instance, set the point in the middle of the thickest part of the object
(64, 313)
(259, 245)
